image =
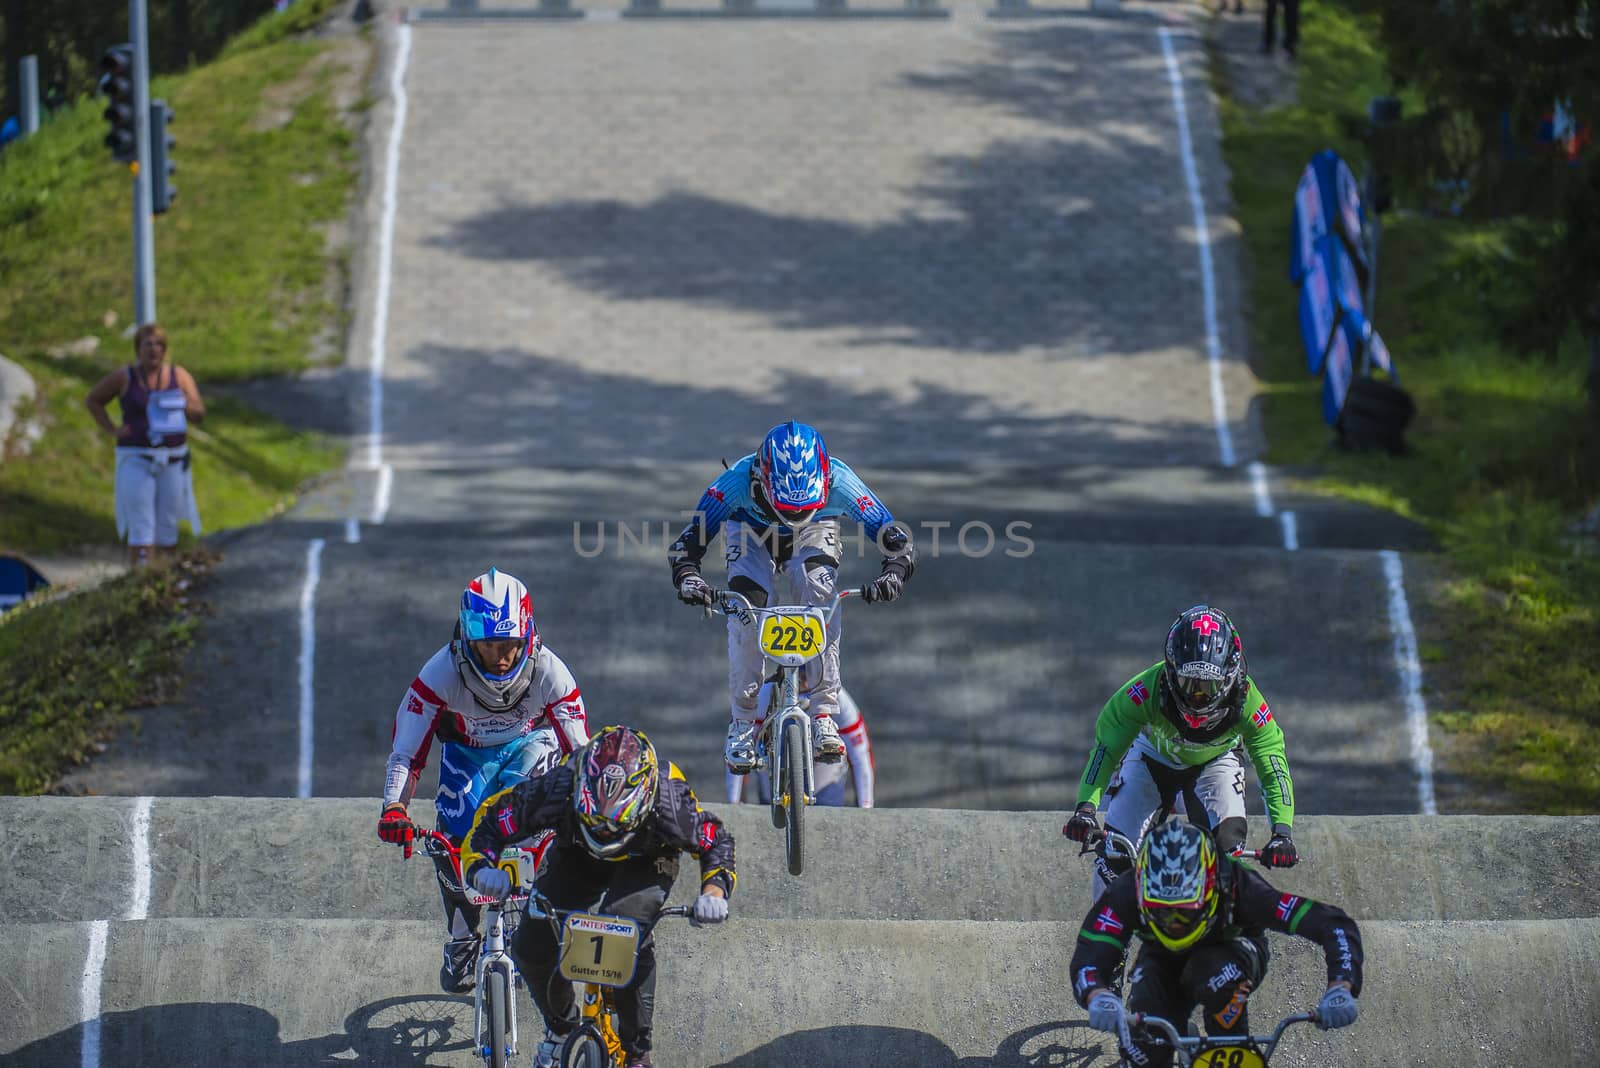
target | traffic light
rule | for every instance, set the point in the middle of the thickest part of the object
(161, 166)
(116, 82)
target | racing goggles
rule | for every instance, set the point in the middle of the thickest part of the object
(1176, 921)
(602, 830)
(1200, 692)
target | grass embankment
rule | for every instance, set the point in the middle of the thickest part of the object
(243, 281)
(242, 272)
(69, 668)
(1503, 456)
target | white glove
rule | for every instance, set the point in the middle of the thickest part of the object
(1336, 1009)
(492, 882)
(1105, 1012)
(708, 908)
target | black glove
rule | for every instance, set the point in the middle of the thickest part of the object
(886, 587)
(692, 589)
(1279, 852)
(1082, 824)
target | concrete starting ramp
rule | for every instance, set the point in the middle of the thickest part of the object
(281, 932)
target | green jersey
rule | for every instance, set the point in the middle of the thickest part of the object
(1137, 707)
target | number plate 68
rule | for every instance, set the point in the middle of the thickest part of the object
(1236, 1057)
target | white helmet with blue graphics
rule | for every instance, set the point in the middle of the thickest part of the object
(496, 643)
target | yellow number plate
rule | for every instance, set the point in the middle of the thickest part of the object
(1237, 1057)
(599, 949)
(792, 639)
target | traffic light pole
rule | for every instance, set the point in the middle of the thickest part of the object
(144, 253)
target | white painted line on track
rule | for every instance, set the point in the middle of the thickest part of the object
(139, 902)
(352, 531)
(1208, 282)
(308, 652)
(1410, 667)
(1291, 531)
(1258, 484)
(380, 495)
(385, 279)
(89, 993)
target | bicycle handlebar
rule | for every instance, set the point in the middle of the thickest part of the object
(734, 603)
(1126, 849)
(1177, 1041)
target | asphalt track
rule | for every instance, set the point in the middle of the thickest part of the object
(966, 250)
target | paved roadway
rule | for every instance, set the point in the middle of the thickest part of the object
(962, 248)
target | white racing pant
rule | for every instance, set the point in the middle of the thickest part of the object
(807, 577)
(857, 748)
(1207, 795)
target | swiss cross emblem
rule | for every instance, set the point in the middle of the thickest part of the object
(1206, 625)
(507, 819)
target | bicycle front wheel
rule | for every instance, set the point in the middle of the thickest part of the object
(583, 1049)
(794, 784)
(495, 998)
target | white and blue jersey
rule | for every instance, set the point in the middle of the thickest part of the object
(730, 500)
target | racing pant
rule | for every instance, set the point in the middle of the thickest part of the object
(467, 776)
(796, 568)
(1211, 795)
(829, 777)
(1218, 978)
(636, 888)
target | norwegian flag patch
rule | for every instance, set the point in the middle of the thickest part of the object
(708, 836)
(1138, 693)
(507, 819)
(1286, 905)
(1261, 716)
(1107, 922)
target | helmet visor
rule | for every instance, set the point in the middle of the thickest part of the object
(498, 657)
(601, 829)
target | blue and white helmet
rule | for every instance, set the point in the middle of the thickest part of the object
(496, 611)
(792, 472)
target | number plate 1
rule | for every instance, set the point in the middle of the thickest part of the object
(599, 949)
(1236, 1057)
(792, 639)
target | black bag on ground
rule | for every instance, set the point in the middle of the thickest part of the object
(1375, 416)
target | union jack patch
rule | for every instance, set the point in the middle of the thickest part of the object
(1261, 716)
(1138, 693)
(1286, 905)
(1107, 922)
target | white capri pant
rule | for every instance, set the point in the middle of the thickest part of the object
(154, 490)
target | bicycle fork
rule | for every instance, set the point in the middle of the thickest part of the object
(494, 957)
(791, 711)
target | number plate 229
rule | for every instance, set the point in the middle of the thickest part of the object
(599, 949)
(792, 640)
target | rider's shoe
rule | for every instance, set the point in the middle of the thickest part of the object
(826, 745)
(549, 1051)
(740, 751)
(459, 971)
(637, 1060)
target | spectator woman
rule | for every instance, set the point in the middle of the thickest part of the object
(154, 489)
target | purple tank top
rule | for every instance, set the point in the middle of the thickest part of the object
(136, 401)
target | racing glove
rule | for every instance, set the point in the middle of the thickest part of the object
(1279, 852)
(886, 587)
(1082, 824)
(693, 589)
(1105, 1012)
(492, 882)
(708, 909)
(1336, 1009)
(395, 826)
